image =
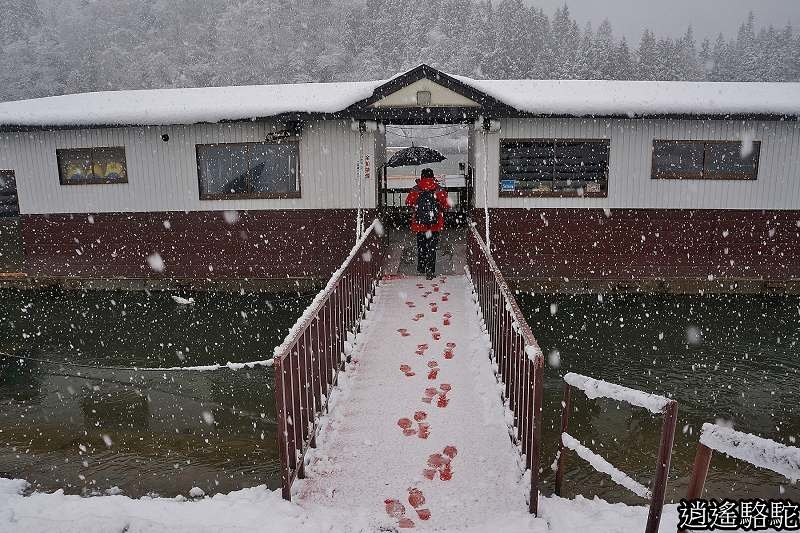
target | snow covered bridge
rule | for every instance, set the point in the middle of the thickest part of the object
(418, 430)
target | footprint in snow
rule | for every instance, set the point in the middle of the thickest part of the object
(397, 510)
(440, 463)
(423, 430)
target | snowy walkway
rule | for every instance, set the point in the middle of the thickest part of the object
(418, 438)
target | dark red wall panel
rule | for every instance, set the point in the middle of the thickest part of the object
(260, 244)
(620, 244)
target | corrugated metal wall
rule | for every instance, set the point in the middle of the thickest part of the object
(630, 185)
(162, 176)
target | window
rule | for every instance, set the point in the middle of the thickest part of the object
(722, 160)
(8, 194)
(248, 170)
(554, 167)
(82, 166)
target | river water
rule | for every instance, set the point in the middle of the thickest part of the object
(732, 359)
(88, 429)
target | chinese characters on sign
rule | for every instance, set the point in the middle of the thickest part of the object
(748, 515)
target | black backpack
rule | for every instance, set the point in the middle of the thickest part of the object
(427, 208)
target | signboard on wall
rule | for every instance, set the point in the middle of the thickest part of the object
(367, 167)
(508, 185)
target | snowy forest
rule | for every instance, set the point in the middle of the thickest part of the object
(64, 46)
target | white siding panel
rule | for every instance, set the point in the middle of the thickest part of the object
(162, 176)
(630, 185)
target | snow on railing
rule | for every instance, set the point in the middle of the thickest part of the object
(516, 357)
(764, 453)
(308, 361)
(758, 451)
(601, 465)
(595, 388)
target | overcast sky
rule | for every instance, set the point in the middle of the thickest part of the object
(672, 17)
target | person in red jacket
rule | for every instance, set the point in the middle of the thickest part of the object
(429, 201)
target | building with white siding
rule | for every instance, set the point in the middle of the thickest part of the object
(583, 181)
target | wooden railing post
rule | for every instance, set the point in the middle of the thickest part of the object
(662, 467)
(536, 448)
(702, 460)
(282, 430)
(562, 459)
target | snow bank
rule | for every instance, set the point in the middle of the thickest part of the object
(636, 98)
(210, 368)
(601, 465)
(253, 509)
(596, 388)
(764, 453)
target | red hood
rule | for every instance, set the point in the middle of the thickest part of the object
(427, 184)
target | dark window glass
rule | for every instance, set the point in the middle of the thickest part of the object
(248, 169)
(678, 158)
(728, 159)
(79, 166)
(8, 194)
(554, 166)
(705, 160)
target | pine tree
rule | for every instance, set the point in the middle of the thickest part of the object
(604, 64)
(625, 69)
(647, 64)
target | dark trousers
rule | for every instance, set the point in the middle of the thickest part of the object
(426, 251)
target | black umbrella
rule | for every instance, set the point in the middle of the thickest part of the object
(413, 156)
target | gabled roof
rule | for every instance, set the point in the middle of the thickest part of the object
(464, 88)
(573, 98)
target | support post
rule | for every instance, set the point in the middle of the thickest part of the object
(536, 448)
(565, 411)
(282, 430)
(662, 467)
(702, 460)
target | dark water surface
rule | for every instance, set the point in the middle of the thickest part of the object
(86, 429)
(732, 358)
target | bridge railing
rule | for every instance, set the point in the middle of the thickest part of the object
(595, 388)
(308, 362)
(759, 452)
(518, 360)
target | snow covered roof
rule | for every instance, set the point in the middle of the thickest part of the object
(642, 98)
(522, 97)
(184, 106)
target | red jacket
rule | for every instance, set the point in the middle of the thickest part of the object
(428, 184)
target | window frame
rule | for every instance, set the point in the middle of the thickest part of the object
(570, 193)
(61, 152)
(249, 195)
(12, 212)
(703, 174)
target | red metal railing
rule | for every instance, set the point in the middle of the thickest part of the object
(760, 452)
(308, 362)
(519, 361)
(668, 408)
